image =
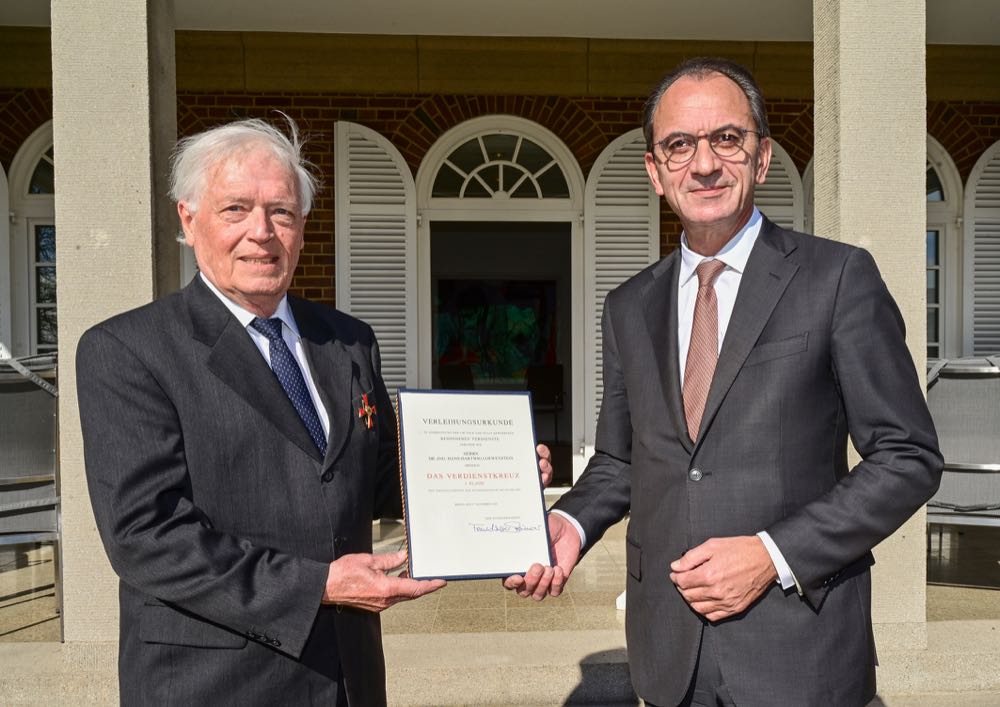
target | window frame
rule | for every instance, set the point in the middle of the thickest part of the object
(27, 210)
(943, 217)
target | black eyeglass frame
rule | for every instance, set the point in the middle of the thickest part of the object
(695, 139)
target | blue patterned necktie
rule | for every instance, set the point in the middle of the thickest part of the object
(287, 370)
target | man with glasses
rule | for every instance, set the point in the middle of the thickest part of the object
(734, 371)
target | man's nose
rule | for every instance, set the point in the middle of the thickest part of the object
(705, 161)
(261, 228)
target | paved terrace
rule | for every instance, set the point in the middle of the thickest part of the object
(475, 644)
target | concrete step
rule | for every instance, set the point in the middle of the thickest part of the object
(960, 668)
(940, 699)
(531, 668)
(961, 656)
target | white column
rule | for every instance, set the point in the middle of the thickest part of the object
(871, 115)
(114, 120)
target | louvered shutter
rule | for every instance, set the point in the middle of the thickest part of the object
(376, 246)
(986, 259)
(621, 237)
(780, 196)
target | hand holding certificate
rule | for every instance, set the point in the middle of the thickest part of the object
(473, 499)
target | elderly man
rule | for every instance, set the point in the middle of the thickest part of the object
(239, 441)
(734, 371)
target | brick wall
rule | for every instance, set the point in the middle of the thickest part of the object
(413, 122)
(965, 129)
(22, 111)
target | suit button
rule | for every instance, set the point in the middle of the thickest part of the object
(695, 474)
(339, 540)
(327, 475)
(275, 642)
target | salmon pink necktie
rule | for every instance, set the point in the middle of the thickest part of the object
(704, 349)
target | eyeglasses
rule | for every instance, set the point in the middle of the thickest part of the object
(679, 148)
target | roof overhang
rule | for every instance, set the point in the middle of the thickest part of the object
(948, 21)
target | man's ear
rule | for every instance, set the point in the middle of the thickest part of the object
(302, 241)
(654, 175)
(186, 215)
(763, 160)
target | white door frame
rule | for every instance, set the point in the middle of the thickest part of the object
(430, 209)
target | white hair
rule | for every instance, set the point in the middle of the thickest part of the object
(196, 155)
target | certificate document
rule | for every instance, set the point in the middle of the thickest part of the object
(473, 500)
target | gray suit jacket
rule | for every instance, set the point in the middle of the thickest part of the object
(814, 352)
(217, 512)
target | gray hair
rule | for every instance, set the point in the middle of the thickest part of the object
(701, 68)
(195, 155)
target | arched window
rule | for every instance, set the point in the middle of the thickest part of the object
(500, 207)
(34, 328)
(500, 166)
(944, 254)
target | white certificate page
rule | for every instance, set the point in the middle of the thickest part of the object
(474, 505)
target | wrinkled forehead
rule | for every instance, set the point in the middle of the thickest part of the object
(694, 104)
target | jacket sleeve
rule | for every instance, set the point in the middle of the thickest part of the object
(158, 541)
(888, 422)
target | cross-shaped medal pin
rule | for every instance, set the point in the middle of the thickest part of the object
(366, 411)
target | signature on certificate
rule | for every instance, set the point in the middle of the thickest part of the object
(510, 526)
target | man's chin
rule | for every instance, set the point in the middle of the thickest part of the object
(263, 294)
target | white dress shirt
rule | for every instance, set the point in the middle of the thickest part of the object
(289, 332)
(735, 255)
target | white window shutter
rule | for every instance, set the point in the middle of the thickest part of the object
(780, 196)
(376, 246)
(621, 237)
(986, 260)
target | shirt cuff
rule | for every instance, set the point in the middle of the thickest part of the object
(575, 524)
(786, 578)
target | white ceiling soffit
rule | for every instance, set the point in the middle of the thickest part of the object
(948, 21)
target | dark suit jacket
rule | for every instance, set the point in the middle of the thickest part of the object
(217, 512)
(814, 352)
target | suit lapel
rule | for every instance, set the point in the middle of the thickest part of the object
(765, 279)
(331, 369)
(659, 299)
(235, 360)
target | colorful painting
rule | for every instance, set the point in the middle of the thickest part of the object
(495, 327)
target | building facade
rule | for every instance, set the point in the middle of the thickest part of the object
(450, 160)
(431, 153)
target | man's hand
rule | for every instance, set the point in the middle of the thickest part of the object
(538, 580)
(722, 577)
(544, 464)
(360, 581)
